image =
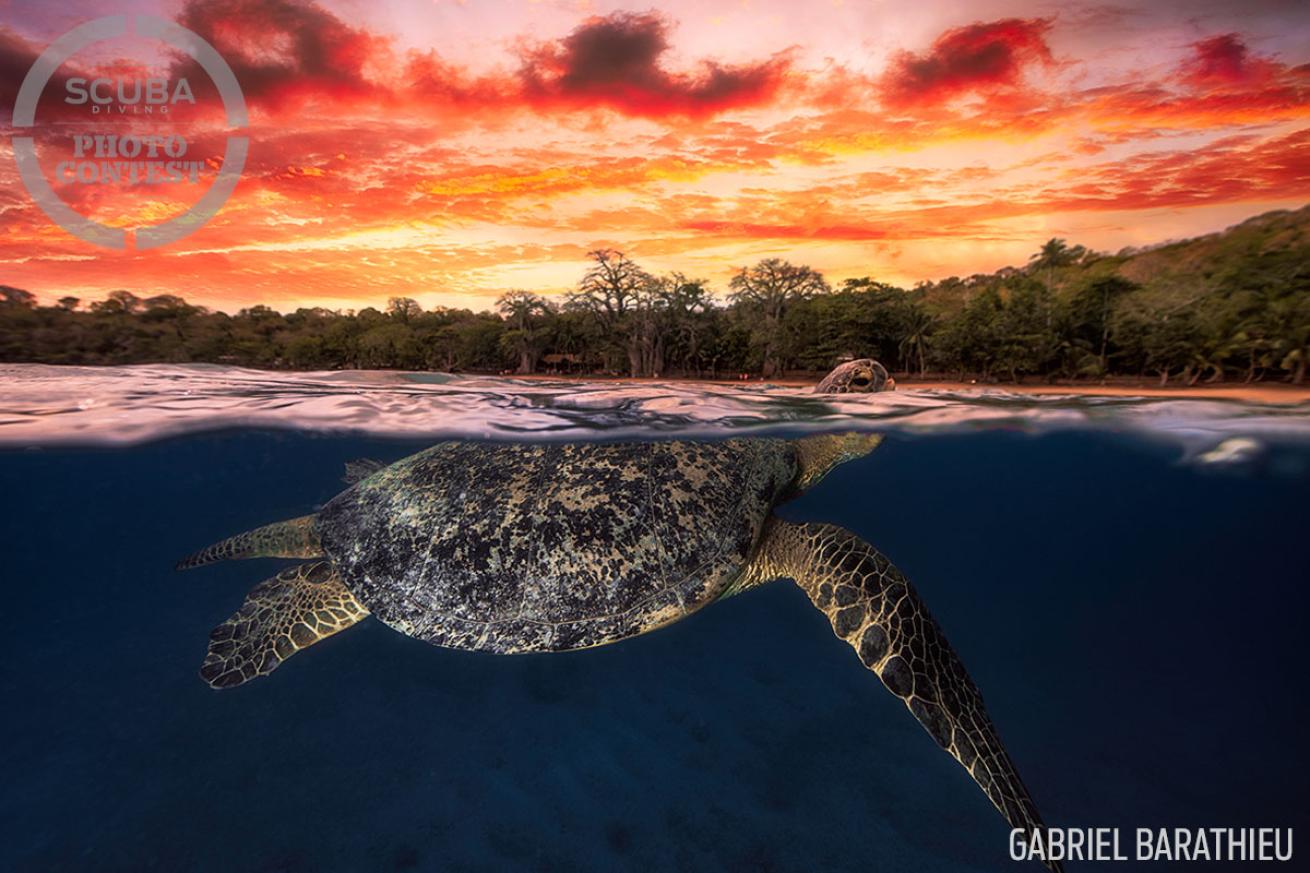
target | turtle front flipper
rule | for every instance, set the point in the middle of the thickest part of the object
(874, 608)
(294, 538)
(292, 611)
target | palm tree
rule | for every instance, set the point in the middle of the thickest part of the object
(1055, 253)
(919, 324)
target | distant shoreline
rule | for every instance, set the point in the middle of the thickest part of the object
(1259, 392)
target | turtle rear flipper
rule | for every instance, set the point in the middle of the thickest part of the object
(294, 538)
(292, 611)
(360, 469)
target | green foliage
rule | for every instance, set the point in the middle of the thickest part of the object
(765, 295)
(1229, 305)
(528, 320)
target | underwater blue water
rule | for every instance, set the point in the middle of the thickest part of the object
(1135, 619)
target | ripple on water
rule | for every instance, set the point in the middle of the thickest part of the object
(47, 405)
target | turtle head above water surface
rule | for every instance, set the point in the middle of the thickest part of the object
(862, 376)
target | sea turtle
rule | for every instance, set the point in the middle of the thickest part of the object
(516, 547)
(858, 376)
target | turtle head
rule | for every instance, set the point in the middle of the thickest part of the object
(857, 377)
(818, 454)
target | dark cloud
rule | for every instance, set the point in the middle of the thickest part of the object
(1223, 60)
(615, 61)
(980, 58)
(283, 50)
(286, 52)
(16, 57)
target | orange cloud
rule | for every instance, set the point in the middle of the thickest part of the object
(1243, 168)
(756, 230)
(1230, 170)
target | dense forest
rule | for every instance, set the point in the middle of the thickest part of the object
(1233, 305)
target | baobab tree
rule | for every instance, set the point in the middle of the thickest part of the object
(612, 291)
(770, 287)
(527, 318)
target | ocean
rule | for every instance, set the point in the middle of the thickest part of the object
(1125, 579)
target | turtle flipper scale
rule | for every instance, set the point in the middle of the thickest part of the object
(292, 611)
(874, 609)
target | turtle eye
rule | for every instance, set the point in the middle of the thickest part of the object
(860, 381)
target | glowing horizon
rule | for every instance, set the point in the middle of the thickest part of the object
(448, 152)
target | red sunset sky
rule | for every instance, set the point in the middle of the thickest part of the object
(449, 151)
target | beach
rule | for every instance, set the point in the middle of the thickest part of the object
(1256, 392)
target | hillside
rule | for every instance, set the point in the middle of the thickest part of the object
(1167, 275)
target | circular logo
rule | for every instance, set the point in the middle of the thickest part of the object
(178, 37)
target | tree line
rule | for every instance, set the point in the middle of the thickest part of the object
(1068, 314)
